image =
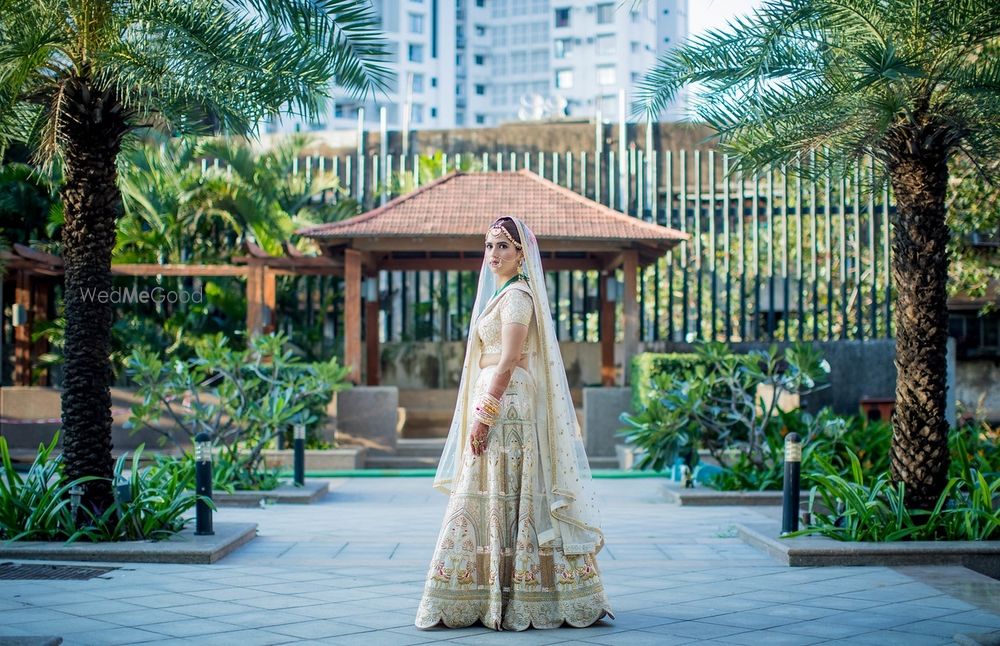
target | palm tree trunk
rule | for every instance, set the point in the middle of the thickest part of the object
(920, 273)
(92, 126)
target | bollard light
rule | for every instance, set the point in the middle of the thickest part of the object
(75, 494)
(790, 497)
(203, 483)
(300, 455)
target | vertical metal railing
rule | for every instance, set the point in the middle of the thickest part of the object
(771, 255)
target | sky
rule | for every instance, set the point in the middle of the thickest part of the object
(707, 14)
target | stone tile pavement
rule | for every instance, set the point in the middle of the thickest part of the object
(350, 569)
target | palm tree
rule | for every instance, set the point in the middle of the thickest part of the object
(78, 77)
(902, 82)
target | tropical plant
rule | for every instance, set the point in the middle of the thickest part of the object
(905, 83)
(30, 210)
(854, 509)
(79, 77)
(242, 399)
(150, 504)
(202, 200)
(428, 168)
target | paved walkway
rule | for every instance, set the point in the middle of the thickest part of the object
(350, 570)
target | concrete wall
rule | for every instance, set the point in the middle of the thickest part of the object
(24, 410)
(978, 387)
(859, 369)
(428, 364)
(27, 413)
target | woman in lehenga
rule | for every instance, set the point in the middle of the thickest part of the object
(518, 543)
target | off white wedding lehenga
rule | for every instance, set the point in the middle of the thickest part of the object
(518, 543)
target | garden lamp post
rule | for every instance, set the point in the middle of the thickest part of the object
(300, 454)
(203, 483)
(790, 497)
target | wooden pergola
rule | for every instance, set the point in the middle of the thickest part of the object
(35, 272)
(441, 226)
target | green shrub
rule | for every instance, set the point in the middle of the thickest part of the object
(149, 505)
(255, 395)
(874, 510)
(650, 368)
(712, 404)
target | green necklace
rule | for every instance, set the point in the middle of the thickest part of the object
(514, 279)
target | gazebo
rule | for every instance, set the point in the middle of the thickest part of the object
(441, 225)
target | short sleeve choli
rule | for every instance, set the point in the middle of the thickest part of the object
(515, 307)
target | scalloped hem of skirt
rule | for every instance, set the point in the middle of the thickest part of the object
(531, 624)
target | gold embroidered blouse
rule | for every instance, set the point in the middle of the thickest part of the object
(515, 307)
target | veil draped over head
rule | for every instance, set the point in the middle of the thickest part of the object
(565, 507)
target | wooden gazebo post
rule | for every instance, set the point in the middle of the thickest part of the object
(630, 314)
(372, 365)
(607, 331)
(352, 313)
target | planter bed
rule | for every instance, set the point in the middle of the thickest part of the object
(818, 551)
(286, 493)
(184, 547)
(702, 496)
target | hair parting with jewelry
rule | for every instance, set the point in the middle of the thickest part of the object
(505, 226)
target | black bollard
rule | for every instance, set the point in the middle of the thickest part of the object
(203, 483)
(300, 455)
(790, 499)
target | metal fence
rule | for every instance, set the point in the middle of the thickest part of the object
(771, 256)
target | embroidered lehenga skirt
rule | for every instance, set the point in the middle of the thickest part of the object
(487, 564)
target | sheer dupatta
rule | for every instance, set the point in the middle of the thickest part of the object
(566, 513)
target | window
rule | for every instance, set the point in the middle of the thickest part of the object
(480, 3)
(499, 36)
(434, 81)
(480, 118)
(480, 30)
(564, 78)
(480, 89)
(562, 16)
(975, 335)
(539, 61)
(459, 118)
(635, 15)
(605, 44)
(459, 60)
(415, 53)
(563, 46)
(635, 47)
(416, 23)
(519, 62)
(636, 77)
(418, 113)
(606, 75)
(434, 112)
(480, 59)
(605, 13)
(418, 82)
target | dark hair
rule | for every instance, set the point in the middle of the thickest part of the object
(508, 223)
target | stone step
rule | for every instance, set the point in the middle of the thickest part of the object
(420, 447)
(400, 462)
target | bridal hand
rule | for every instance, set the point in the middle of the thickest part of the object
(478, 439)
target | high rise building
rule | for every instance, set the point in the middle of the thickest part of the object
(485, 62)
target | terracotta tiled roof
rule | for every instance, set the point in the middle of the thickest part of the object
(464, 204)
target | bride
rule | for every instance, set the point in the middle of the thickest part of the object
(518, 543)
